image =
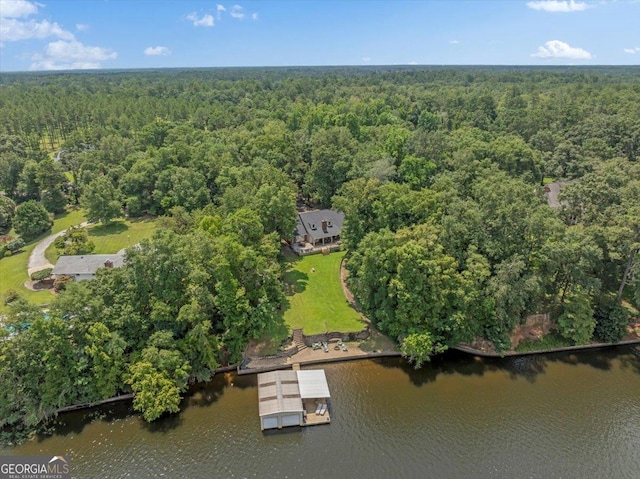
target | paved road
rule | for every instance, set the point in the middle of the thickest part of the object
(37, 260)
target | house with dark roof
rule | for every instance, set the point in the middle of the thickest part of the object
(318, 228)
(81, 267)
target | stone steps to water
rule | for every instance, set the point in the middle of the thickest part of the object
(298, 339)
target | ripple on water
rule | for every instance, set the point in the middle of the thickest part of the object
(570, 416)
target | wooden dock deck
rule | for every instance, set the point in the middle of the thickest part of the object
(313, 419)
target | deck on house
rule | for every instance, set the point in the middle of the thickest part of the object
(303, 249)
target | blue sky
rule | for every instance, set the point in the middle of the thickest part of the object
(75, 34)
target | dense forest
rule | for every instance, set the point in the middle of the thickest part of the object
(440, 172)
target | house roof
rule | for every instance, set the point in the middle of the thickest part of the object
(313, 384)
(299, 231)
(311, 222)
(278, 392)
(85, 264)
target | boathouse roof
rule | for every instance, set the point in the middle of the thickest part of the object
(283, 391)
(313, 384)
(278, 392)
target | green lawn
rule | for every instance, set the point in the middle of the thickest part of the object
(13, 270)
(546, 180)
(113, 237)
(316, 300)
(550, 341)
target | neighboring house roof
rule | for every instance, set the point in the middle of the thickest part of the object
(85, 264)
(312, 223)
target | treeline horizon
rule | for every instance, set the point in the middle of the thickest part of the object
(439, 172)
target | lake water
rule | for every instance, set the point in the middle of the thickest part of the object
(554, 416)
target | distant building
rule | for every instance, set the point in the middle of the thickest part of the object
(318, 228)
(81, 267)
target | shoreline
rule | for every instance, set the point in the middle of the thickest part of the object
(463, 348)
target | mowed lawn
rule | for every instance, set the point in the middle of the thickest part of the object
(13, 269)
(316, 300)
(113, 237)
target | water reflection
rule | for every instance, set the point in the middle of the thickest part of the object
(563, 415)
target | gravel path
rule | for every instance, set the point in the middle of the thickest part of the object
(552, 194)
(37, 260)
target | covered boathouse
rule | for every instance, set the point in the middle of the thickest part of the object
(293, 398)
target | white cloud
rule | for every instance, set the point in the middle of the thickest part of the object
(412, 63)
(204, 21)
(366, 59)
(155, 51)
(558, 6)
(13, 30)
(454, 42)
(17, 8)
(632, 50)
(236, 12)
(64, 55)
(52, 65)
(82, 27)
(558, 49)
(61, 50)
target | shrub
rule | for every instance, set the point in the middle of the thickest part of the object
(611, 321)
(40, 275)
(576, 322)
(60, 283)
(15, 245)
(499, 337)
(74, 241)
(7, 212)
(10, 296)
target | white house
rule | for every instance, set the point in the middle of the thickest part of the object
(81, 267)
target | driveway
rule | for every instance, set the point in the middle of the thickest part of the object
(37, 260)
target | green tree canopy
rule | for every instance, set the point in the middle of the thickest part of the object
(7, 212)
(101, 200)
(32, 219)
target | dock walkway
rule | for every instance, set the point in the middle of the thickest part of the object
(309, 356)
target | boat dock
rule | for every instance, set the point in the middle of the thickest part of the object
(293, 398)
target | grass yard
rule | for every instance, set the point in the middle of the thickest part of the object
(550, 341)
(113, 237)
(546, 180)
(13, 269)
(316, 300)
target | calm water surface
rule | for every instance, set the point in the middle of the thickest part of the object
(558, 416)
